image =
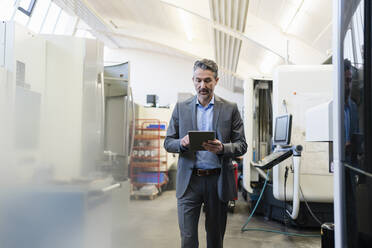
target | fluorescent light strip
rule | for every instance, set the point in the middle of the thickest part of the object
(186, 21)
(286, 27)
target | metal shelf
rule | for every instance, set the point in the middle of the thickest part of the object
(144, 164)
(149, 140)
(157, 184)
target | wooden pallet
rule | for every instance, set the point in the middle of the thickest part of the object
(143, 196)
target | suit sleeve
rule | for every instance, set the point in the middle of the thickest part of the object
(172, 139)
(237, 146)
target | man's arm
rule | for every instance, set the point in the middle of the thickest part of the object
(172, 140)
(237, 147)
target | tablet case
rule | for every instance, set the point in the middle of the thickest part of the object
(198, 137)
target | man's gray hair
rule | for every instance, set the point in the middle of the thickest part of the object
(207, 64)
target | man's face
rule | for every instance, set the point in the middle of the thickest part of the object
(348, 84)
(204, 83)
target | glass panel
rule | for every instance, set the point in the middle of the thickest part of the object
(65, 24)
(38, 15)
(355, 128)
(24, 4)
(353, 93)
(348, 46)
(21, 18)
(51, 19)
(6, 9)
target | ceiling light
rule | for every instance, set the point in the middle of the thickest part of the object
(292, 11)
(187, 23)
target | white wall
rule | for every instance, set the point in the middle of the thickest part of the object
(160, 74)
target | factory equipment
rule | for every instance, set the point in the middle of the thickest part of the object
(52, 144)
(295, 90)
(119, 118)
(282, 137)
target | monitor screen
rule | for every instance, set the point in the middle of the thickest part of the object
(151, 100)
(282, 132)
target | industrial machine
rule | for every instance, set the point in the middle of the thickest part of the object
(54, 191)
(282, 151)
(119, 125)
(294, 91)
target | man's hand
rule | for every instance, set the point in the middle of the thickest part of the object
(214, 146)
(185, 141)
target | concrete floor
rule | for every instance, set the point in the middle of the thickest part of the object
(153, 223)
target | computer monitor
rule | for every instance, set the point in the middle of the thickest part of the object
(152, 100)
(283, 129)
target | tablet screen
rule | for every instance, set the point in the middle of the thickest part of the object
(198, 137)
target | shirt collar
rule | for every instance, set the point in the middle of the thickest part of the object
(209, 104)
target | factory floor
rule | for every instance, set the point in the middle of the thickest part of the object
(153, 224)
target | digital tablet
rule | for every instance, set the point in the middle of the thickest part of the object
(198, 137)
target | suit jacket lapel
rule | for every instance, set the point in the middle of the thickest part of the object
(193, 114)
(216, 111)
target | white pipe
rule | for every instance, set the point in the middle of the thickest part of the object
(111, 187)
(261, 172)
(296, 188)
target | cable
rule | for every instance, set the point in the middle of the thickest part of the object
(285, 106)
(258, 201)
(308, 207)
(244, 229)
(286, 216)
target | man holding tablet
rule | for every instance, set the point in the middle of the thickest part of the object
(205, 175)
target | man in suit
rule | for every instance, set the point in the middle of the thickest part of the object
(351, 117)
(205, 177)
(351, 126)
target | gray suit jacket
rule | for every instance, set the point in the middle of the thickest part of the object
(229, 130)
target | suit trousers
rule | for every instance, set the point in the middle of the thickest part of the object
(202, 189)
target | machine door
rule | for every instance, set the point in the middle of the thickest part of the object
(116, 125)
(119, 117)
